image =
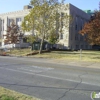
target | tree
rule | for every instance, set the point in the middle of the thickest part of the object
(53, 37)
(92, 29)
(31, 38)
(44, 18)
(12, 35)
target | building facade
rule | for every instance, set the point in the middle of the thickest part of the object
(76, 40)
(6, 19)
(70, 39)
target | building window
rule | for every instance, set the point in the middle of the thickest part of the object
(25, 40)
(3, 28)
(77, 46)
(75, 27)
(10, 21)
(62, 14)
(81, 38)
(61, 36)
(18, 20)
(3, 21)
(81, 27)
(76, 21)
(76, 37)
(86, 46)
(62, 24)
(81, 46)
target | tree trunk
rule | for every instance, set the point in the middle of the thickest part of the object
(42, 41)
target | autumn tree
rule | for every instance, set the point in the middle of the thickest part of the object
(12, 35)
(92, 29)
(44, 18)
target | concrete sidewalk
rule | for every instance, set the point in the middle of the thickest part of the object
(78, 63)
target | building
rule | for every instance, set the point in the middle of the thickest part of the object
(5, 20)
(70, 39)
(77, 41)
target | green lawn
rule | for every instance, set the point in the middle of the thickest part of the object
(6, 94)
(86, 55)
(73, 55)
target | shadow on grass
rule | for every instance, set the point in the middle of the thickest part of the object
(75, 52)
(95, 57)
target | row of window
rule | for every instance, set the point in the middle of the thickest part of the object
(80, 38)
(79, 22)
(9, 21)
(82, 47)
(17, 20)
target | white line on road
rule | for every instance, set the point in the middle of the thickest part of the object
(49, 76)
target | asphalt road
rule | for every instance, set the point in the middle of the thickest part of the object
(48, 80)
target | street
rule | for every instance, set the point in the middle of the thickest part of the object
(48, 80)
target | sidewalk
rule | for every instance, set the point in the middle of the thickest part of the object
(87, 64)
(79, 63)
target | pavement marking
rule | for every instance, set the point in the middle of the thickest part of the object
(35, 69)
(49, 76)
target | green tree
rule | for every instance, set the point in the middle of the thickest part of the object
(31, 38)
(44, 18)
(53, 37)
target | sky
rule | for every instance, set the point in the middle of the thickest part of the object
(15, 5)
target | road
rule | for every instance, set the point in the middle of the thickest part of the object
(48, 80)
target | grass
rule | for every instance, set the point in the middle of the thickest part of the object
(6, 94)
(93, 56)
(86, 55)
(21, 52)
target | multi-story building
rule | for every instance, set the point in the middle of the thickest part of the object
(70, 39)
(6, 19)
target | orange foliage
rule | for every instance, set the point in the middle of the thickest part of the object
(92, 29)
(12, 34)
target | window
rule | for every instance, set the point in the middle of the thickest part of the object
(76, 21)
(62, 14)
(75, 27)
(81, 46)
(61, 36)
(10, 20)
(25, 40)
(76, 37)
(3, 21)
(86, 46)
(18, 20)
(62, 24)
(81, 23)
(81, 27)
(81, 38)
(77, 46)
